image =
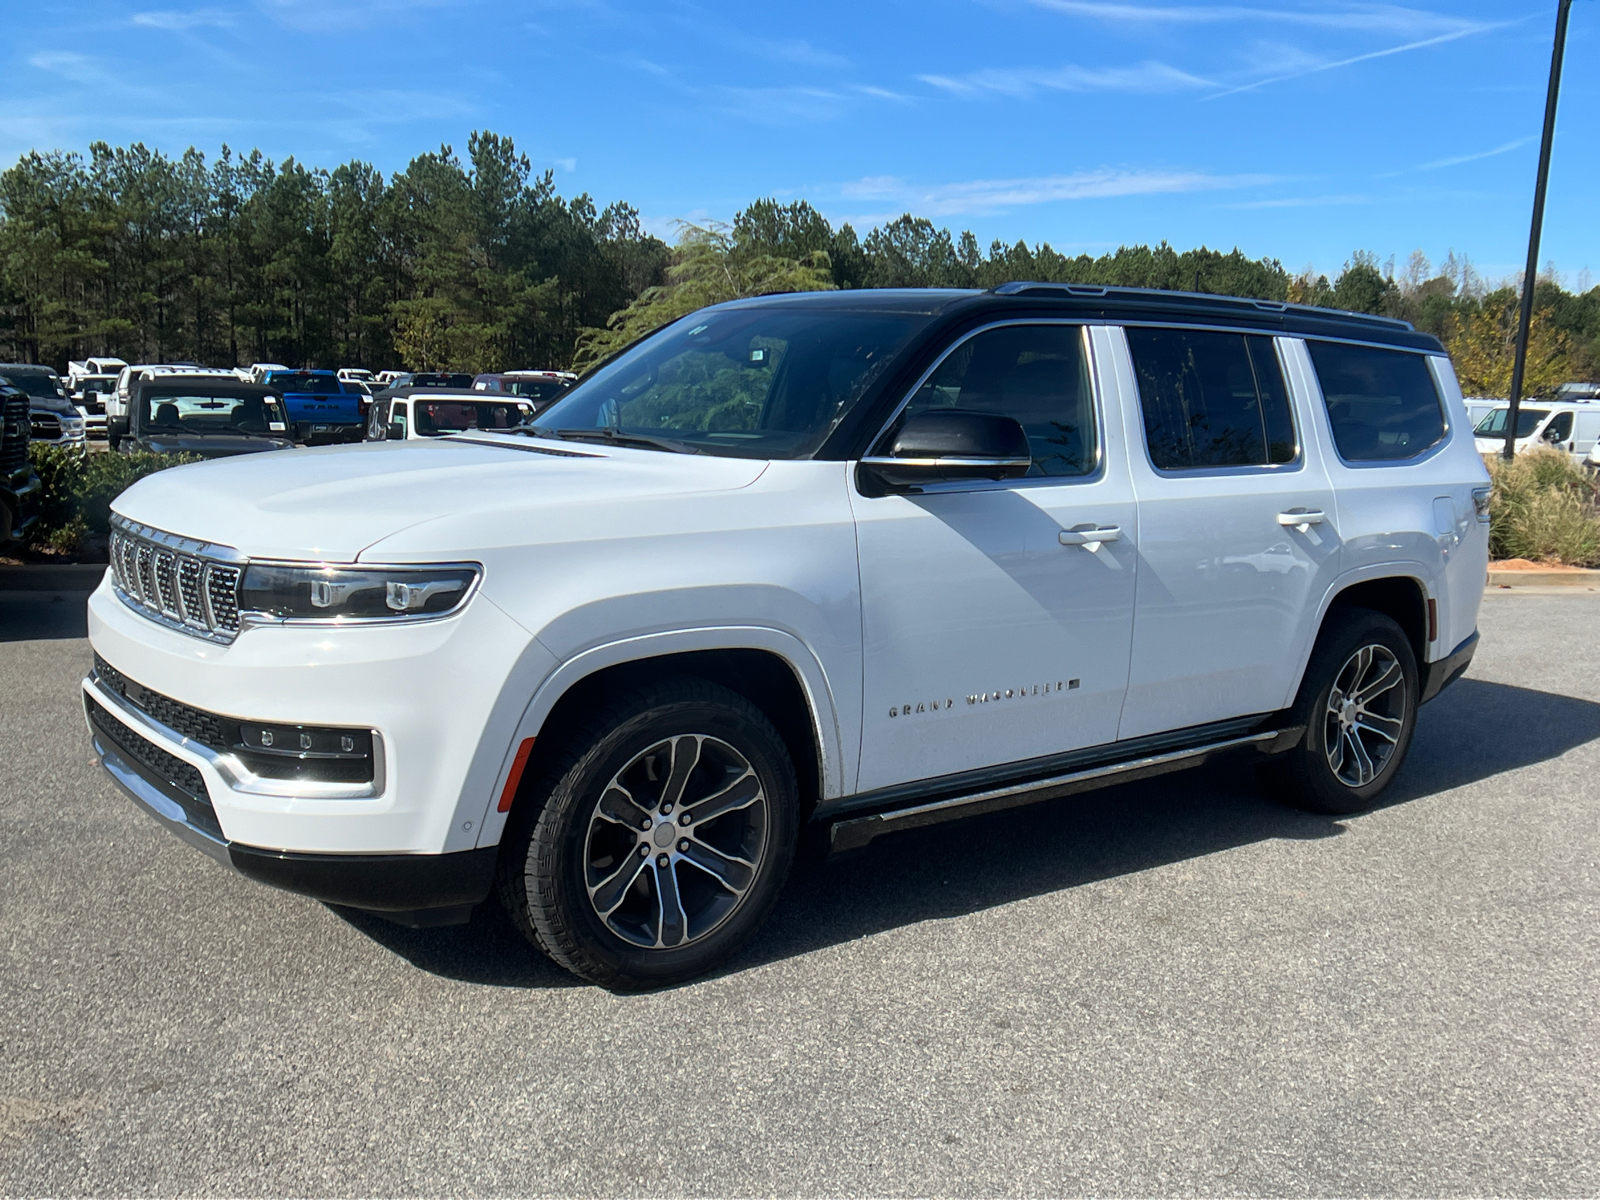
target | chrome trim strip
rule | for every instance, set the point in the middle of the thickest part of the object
(183, 545)
(952, 461)
(166, 811)
(858, 831)
(235, 775)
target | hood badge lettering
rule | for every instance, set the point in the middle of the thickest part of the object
(1018, 693)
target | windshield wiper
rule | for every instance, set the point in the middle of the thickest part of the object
(615, 437)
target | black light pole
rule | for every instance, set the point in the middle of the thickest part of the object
(1531, 275)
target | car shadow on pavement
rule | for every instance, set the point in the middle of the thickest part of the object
(43, 616)
(488, 949)
(967, 866)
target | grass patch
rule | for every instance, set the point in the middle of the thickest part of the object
(1543, 508)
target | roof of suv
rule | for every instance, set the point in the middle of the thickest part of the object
(1114, 304)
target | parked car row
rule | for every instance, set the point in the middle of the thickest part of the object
(123, 403)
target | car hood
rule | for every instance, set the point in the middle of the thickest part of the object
(210, 445)
(329, 504)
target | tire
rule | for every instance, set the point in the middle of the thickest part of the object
(590, 887)
(1350, 752)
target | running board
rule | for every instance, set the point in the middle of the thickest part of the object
(857, 832)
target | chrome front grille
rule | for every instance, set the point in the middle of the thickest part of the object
(188, 585)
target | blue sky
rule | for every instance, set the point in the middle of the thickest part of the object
(1301, 131)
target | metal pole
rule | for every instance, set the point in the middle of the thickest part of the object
(1531, 275)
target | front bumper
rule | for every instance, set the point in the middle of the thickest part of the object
(442, 699)
(411, 889)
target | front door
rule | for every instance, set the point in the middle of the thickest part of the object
(994, 630)
(1237, 527)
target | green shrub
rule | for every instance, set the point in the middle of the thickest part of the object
(1543, 508)
(78, 489)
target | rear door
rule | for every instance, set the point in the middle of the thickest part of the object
(1237, 531)
(994, 630)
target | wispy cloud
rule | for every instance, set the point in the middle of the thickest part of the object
(173, 20)
(1458, 159)
(1301, 72)
(62, 62)
(325, 15)
(795, 50)
(995, 195)
(799, 104)
(1024, 81)
(568, 165)
(1371, 18)
(1303, 202)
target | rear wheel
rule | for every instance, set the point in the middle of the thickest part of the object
(655, 847)
(1359, 706)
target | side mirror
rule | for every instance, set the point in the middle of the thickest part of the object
(949, 445)
(395, 431)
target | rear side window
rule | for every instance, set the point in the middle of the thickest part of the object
(1211, 399)
(1382, 404)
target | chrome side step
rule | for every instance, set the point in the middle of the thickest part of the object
(857, 832)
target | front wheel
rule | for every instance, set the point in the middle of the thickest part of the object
(1359, 706)
(655, 846)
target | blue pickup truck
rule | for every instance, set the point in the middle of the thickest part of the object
(322, 410)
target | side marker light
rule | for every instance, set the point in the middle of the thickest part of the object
(518, 765)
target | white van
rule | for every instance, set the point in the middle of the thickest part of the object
(1573, 426)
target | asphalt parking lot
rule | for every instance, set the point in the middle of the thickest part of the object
(1169, 987)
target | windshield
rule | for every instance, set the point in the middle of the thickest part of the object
(304, 382)
(434, 417)
(98, 383)
(534, 389)
(192, 411)
(40, 387)
(747, 382)
(441, 379)
(1494, 425)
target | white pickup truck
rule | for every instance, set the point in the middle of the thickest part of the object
(865, 560)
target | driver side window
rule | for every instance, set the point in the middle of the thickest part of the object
(1036, 374)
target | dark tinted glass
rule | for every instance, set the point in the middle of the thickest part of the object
(1211, 399)
(453, 416)
(1382, 404)
(190, 411)
(1035, 374)
(305, 383)
(1560, 429)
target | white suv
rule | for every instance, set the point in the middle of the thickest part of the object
(860, 560)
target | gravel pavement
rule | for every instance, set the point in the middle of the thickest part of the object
(1168, 987)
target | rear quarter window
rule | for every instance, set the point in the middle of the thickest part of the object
(1383, 405)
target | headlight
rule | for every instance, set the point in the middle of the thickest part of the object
(355, 593)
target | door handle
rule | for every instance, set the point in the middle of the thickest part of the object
(1091, 537)
(1301, 518)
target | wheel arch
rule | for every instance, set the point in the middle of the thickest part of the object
(773, 669)
(1398, 590)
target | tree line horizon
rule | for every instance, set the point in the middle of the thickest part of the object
(476, 262)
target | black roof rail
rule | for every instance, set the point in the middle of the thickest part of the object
(1196, 301)
(1022, 288)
